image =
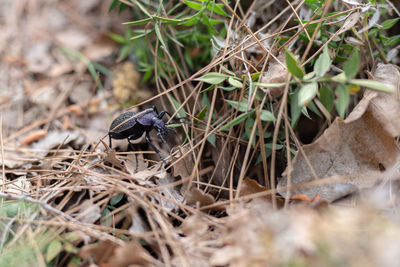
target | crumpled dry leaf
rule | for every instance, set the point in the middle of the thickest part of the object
(14, 159)
(139, 224)
(354, 150)
(276, 73)
(19, 186)
(184, 167)
(223, 164)
(91, 213)
(54, 139)
(257, 235)
(37, 57)
(194, 225)
(130, 163)
(99, 253)
(130, 254)
(81, 93)
(44, 95)
(111, 157)
(73, 38)
(106, 253)
(250, 186)
(163, 181)
(195, 196)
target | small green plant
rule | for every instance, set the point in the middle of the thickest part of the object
(319, 83)
(177, 31)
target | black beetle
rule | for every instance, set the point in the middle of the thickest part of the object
(132, 125)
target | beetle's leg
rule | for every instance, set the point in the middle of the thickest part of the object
(136, 156)
(162, 113)
(134, 137)
(109, 136)
(154, 147)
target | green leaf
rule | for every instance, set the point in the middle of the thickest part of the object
(228, 89)
(213, 78)
(137, 22)
(248, 127)
(236, 120)
(116, 199)
(159, 35)
(327, 97)
(193, 20)
(116, 37)
(70, 248)
(269, 85)
(387, 24)
(169, 20)
(267, 115)
(314, 109)
(53, 249)
(343, 99)
(231, 73)
(193, 5)
(292, 65)
(72, 236)
(375, 85)
(105, 219)
(177, 105)
(211, 139)
(351, 66)
(340, 78)
(392, 41)
(141, 7)
(295, 109)
(242, 107)
(202, 113)
(113, 4)
(217, 8)
(234, 82)
(139, 36)
(323, 63)
(307, 93)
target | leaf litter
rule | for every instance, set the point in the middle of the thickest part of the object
(50, 162)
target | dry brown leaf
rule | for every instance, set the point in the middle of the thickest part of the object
(276, 73)
(99, 253)
(250, 186)
(89, 213)
(44, 95)
(130, 163)
(33, 137)
(353, 150)
(54, 139)
(73, 38)
(37, 57)
(184, 167)
(223, 164)
(19, 186)
(195, 196)
(194, 225)
(139, 224)
(130, 254)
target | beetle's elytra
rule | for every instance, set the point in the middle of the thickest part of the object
(132, 125)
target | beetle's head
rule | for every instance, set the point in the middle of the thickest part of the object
(160, 127)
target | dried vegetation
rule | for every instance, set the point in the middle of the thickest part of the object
(227, 197)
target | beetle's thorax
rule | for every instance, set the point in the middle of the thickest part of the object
(157, 123)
